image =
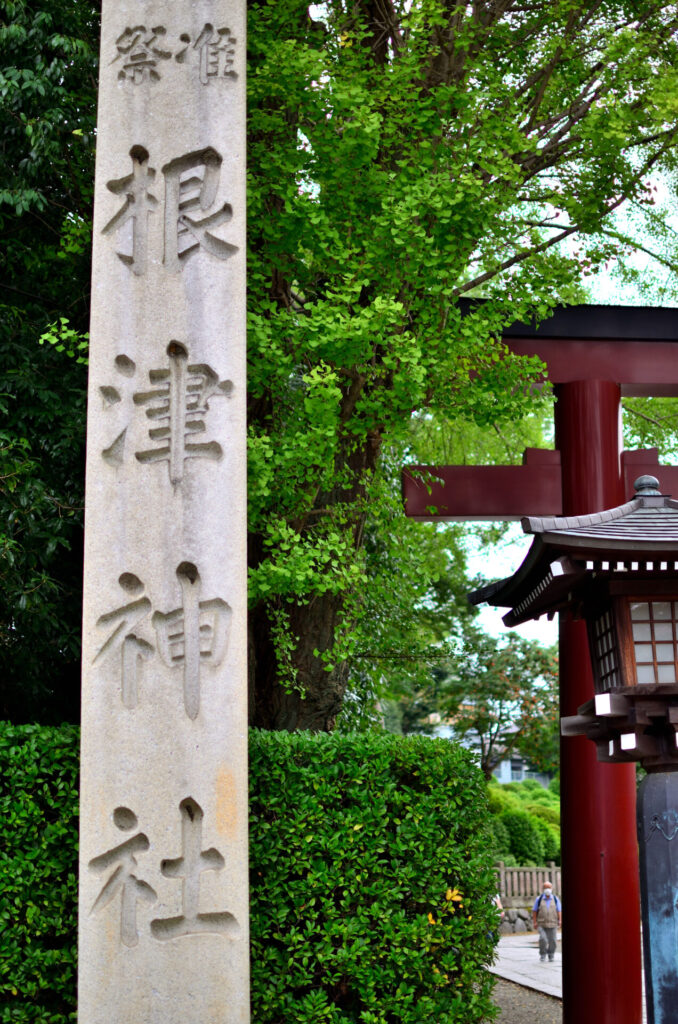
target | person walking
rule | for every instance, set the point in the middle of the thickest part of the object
(547, 916)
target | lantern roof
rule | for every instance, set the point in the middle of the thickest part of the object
(638, 538)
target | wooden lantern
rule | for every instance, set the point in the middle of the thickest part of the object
(618, 570)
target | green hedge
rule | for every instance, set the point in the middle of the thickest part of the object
(499, 839)
(524, 822)
(38, 872)
(376, 834)
(550, 814)
(370, 880)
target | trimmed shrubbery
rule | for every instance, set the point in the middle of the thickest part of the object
(499, 839)
(525, 823)
(384, 909)
(547, 812)
(550, 838)
(370, 877)
(526, 844)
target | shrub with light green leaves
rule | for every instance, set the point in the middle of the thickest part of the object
(526, 843)
(370, 879)
(550, 814)
(531, 815)
(38, 869)
(550, 837)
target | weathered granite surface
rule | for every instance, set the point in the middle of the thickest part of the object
(164, 911)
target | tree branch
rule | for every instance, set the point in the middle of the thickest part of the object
(513, 261)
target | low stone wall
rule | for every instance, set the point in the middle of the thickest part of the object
(516, 919)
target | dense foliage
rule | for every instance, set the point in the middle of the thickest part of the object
(524, 823)
(38, 867)
(401, 156)
(370, 879)
(525, 841)
(383, 911)
(47, 111)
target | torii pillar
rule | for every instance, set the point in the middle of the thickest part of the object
(593, 354)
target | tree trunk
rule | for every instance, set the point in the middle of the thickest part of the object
(316, 699)
(314, 705)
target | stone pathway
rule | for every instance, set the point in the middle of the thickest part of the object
(518, 961)
(528, 989)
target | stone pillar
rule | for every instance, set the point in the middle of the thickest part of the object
(163, 872)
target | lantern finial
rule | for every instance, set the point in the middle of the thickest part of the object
(647, 485)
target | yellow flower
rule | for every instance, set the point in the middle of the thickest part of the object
(453, 894)
(431, 919)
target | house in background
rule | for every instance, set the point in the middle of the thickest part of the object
(517, 769)
(514, 769)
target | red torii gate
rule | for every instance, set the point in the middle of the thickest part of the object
(594, 355)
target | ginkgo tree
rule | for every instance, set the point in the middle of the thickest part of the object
(403, 155)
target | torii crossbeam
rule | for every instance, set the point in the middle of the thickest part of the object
(594, 355)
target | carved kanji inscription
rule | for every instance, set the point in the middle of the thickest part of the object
(164, 682)
(139, 53)
(189, 867)
(120, 865)
(193, 634)
(176, 406)
(120, 641)
(210, 53)
(191, 183)
(122, 880)
(216, 50)
(191, 213)
(138, 204)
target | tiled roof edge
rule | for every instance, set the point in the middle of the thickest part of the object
(551, 524)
